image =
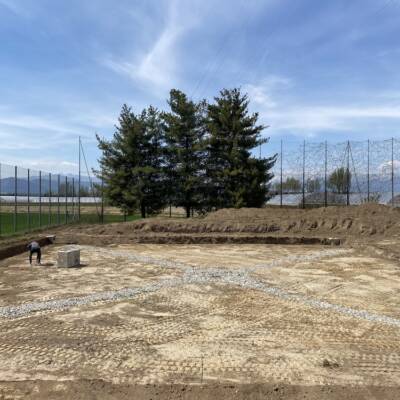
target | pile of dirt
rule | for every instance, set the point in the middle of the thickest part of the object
(368, 220)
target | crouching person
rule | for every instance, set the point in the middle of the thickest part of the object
(34, 248)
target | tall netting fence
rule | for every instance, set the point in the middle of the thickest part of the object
(32, 200)
(348, 173)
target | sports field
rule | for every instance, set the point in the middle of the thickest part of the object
(22, 221)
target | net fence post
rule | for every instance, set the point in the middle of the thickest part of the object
(303, 201)
(15, 197)
(0, 203)
(79, 182)
(58, 199)
(73, 199)
(326, 176)
(66, 199)
(49, 197)
(40, 198)
(102, 198)
(29, 200)
(392, 174)
(348, 175)
(368, 155)
(281, 185)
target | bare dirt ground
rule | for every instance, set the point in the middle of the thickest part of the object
(354, 224)
(226, 321)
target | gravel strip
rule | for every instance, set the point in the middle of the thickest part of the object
(143, 259)
(196, 275)
(245, 281)
(62, 304)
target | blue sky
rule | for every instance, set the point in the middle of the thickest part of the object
(315, 70)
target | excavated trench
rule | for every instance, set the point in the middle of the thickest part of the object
(19, 247)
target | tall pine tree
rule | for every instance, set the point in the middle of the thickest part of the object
(185, 156)
(235, 178)
(131, 164)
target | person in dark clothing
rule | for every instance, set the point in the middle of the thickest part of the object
(33, 248)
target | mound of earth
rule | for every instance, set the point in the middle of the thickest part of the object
(319, 198)
(367, 220)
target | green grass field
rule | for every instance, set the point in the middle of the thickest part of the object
(25, 222)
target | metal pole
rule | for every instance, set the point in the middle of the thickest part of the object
(348, 175)
(49, 208)
(29, 199)
(102, 199)
(66, 199)
(368, 173)
(73, 200)
(326, 175)
(392, 175)
(58, 199)
(0, 203)
(15, 198)
(40, 198)
(79, 182)
(304, 174)
(281, 186)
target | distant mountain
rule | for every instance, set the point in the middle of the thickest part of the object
(7, 185)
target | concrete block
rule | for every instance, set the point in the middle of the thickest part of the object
(68, 257)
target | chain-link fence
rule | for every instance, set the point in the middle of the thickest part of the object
(31, 200)
(349, 173)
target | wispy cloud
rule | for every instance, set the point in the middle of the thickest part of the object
(311, 119)
(20, 131)
(263, 93)
(156, 67)
(272, 98)
(15, 7)
(45, 164)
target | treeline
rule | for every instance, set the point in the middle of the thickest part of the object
(339, 181)
(196, 156)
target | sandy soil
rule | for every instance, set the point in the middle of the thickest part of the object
(208, 340)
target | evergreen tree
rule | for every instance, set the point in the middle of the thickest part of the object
(131, 163)
(185, 156)
(235, 177)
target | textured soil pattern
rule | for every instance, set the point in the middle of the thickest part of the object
(207, 340)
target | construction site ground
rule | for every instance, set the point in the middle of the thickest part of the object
(205, 321)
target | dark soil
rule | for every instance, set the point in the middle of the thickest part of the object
(100, 390)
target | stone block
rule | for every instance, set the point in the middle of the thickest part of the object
(68, 257)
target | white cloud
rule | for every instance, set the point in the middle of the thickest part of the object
(263, 93)
(35, 123)
(386, 167)
(53, 165)
(314, 118)
(156, 68)
(19, 131)
(24, 132)
(270, 99)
